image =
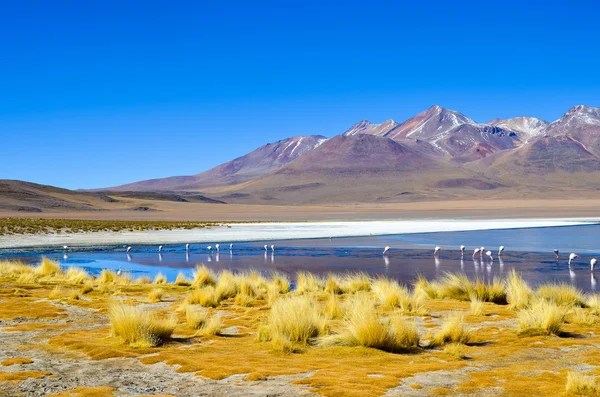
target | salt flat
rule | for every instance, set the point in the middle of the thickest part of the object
(282, 231)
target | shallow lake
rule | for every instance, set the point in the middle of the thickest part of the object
(527, 250)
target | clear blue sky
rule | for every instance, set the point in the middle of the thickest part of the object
(100, 93)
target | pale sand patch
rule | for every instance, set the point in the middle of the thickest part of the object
(281, 231)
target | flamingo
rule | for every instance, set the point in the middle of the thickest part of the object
(476, 251)
(437, 250)
(593, 263)
(217, 246)
(556, 253)
(230, 247)
(265, 247)
(159, 249)
(386, 249)
(489, 255)
(481, 251)
(272, 248)
(209, 248)
(500, 250)
(119, 272)
(65, 247)
(128, 250)
(187, 247)
(572, 257)
(462, 250)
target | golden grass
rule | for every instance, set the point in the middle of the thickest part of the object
(580, 316)
(456, 350)
(107, 277)
(206, 297)
(211, 326)
(143, 280)
(55, 293)
(16, 361)
(76, 275)
(47, 267)
(27, 278)
(296, 319)
(156, 295)
(518, 292)
(17, 377)
(181, 280)
(454, 330)
(308, 282)
(562, 294)
(281, 282)
(363, 327)
(356, 282)
(203, 277)
(580, 384)
(87, 288)
(195, 319)
(476, 306)
(137, 327)
(160, 279)
(332, 308)
(227, 287)
(332, 285)
(542, 318)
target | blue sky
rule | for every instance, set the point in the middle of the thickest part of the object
(100, 93)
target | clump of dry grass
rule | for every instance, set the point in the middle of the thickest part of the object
(211, 327)
(562, 295)
(456, 350)
(87, 288)
(460, 287)
(74, 296)
(580, 316)
(160, 279)
(426, 289)
(332, 285)
(308, 282)
(580, 384)
(518, 292)
(392, 294)
(476, 306)
(181, 280)
(356, 282)
(281, 282)
(296, 319)
(137, 327)
(195, 319)
(55, 293)
(27, 278)
(454, 330)
(156, 295)
(75, 275)
(13, 268)
(363, 327)
(244, 300)
(47, 267)
(542, 318)
(107, 277)
(143, 280)
(203, 277)
(227, 287)
(332, 308)
(206, 297)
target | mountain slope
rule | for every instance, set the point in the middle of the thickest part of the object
(525, 127)
(582, 123)
(252, 165)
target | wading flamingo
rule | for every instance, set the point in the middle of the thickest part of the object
(386, 250)
(572, 257)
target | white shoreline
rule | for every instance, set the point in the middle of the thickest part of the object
(281, 231)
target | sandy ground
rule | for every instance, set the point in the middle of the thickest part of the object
(280, 231)
(457, 209)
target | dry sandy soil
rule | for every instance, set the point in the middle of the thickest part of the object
(480, 209)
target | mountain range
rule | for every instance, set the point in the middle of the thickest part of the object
(438, 153)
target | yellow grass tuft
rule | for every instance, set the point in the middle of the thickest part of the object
(75, 275)
(390, 293)
(206, 297)
(143, 280)
(518, 292)
(156, 294)
(55, 293)
(454, 330)
(74, 296)
(195, 319)
(332, 285)
(27, 278)
(47, 267)
(87, 288)
(580, 316)
(281, 282)
(308, 282)
(356, 282)
(542, 318)
(211, 327)
(137, 327)
(160, 279)
(562, 294)
(203, 277)
(363, 327)
(425, 289)
(456, 350)
(332, 308)
(580, 384)
(181, 280)
(476, 306)
(296, 319)
(227, 287)
(107, 277)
